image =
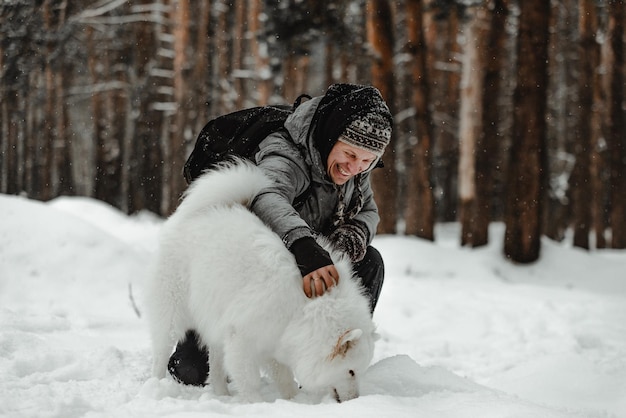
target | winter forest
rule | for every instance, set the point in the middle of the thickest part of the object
(505, 110)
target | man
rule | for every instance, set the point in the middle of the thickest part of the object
(321, 164)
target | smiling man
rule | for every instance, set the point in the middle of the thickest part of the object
(338, 139)
(321, 164)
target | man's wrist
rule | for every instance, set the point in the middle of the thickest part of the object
(309, 255)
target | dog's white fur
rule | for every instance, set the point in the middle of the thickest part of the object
(223, 272)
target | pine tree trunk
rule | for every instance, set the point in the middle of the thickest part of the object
(239, 51)
(184, 105)
(62, 149)
(222, 64)
(597, 166)
(384, 180)
(448, 139)
(95, 59)
(527, 167)
(61, 153)
(490, 136)
(49, 129)
(32, 143)
(259, 48)
(582, 192)
(471, 118)
(146, 176)
(9, 156)
(201, 73)
(617, 126)
(563, 111)
(419, 215)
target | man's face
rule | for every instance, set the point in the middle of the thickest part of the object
(346, 161)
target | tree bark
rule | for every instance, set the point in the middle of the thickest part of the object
(182, 97)
(471, 117)
(380, 36)
(11, 182)
(259, 48)
(448, 142)
(581, 177)
(527, 167)
(490, 136)
(147, 176)
(96, 58)
(420, 212)
(563, 113)
(49, 127)
(617, 126)
(240, 48)
(222, 94)
(62, 156)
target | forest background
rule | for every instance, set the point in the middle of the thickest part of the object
(504, 110)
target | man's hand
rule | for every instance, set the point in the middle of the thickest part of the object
(319, 281)
(318, 271)
(351, 238)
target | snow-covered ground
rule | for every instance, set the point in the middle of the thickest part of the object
(464, 333)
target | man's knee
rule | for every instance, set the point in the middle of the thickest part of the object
(374, 256)
(371, 271)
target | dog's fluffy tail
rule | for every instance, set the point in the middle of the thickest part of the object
(234, 182)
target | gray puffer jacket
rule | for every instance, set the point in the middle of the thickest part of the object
(296, 167)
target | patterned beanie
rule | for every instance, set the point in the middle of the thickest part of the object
(355, 111)
(371, 132)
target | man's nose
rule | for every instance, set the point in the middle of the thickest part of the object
(354, 168)
(360, 167)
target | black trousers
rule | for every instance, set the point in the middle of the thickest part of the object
(371, 270)
(189, 363)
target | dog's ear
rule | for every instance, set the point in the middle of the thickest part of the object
(344, 342)
(351, 335)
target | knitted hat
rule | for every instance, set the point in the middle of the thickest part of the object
(371, 132)
(340, 107)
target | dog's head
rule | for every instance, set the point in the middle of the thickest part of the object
(337, 368)
(330, 343)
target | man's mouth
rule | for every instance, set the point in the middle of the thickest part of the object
(342, 171)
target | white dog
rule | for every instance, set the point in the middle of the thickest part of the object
(224, 273)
